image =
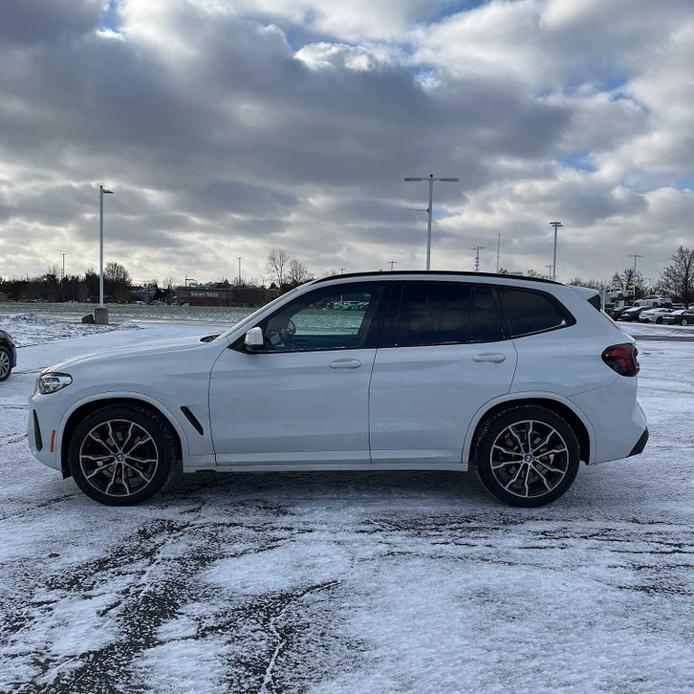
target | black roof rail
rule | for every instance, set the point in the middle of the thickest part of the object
(462, 273)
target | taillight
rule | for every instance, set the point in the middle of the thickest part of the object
(622, 359)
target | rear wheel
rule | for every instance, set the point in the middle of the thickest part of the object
(527, 456)
(5, 363)
(684, 321)
(121, 455)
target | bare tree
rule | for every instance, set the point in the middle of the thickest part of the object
(277, 262)
(598, 285)
(627, 280)
(117, 280)
(298, 273)
(678, 277)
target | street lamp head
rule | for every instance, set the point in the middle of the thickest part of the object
(414, 178)
(449, 180)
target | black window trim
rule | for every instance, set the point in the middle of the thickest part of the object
(568, 317)
(374, 330)
(389, 326)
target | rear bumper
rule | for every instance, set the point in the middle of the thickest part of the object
(640, 444)
(618, 421)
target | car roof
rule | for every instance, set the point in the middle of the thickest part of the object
(395, 274)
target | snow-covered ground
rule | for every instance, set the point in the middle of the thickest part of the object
(29, 329)
(351, 582)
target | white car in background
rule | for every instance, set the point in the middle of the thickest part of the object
(518, 378)
(654, 315)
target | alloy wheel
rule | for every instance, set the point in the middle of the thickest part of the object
(118, 457)
(4, 364)
(529, 458)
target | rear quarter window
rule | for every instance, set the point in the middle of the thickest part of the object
(527, 311)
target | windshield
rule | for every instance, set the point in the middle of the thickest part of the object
(252, 317)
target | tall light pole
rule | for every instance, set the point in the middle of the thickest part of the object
(430, 180)
(635, 256)
(63, 275)
(239, 259)
(102, 191)
(549, 271)
(392, 263)
(498, 251)
(556, 226)
(477, 250)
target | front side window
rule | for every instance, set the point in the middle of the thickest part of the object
(438, 313)
(329, 318)
(529, 312)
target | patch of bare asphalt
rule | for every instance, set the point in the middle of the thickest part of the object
(271, 637)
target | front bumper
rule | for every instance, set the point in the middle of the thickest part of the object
(43, 428)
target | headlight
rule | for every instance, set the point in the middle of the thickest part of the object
(52, 382)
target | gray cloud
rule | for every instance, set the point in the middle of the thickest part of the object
(222, 136)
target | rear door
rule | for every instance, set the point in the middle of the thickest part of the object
(443, 355)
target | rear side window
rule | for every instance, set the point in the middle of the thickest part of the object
(529, 312)
(438, 313)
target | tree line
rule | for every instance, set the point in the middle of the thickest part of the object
(52, 287)
(285, 273)
(676, 280)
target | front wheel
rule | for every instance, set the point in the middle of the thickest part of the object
(684, 321)
(527, 456)
(658, 321)
(121, 455)
(5, 363)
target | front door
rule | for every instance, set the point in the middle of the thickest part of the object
(442, 358)
(304, 396)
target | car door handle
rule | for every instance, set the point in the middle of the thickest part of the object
(345, 364)
(493, 357)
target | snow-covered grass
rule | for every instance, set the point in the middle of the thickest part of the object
(351, 582)
(31, 329)
(120, 313)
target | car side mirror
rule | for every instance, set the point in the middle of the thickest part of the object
(254, 339)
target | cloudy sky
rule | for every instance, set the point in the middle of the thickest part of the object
(228, 127)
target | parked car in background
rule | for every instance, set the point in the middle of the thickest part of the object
(614, 312)
(654, 315)
(631, 314)
(8, 355)
(684, 316)
(519, 379)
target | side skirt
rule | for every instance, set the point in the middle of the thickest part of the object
(324, 467)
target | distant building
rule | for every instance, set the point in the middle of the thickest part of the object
(224, 295)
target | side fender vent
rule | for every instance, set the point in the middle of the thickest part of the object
(193, 420)
(38, 441)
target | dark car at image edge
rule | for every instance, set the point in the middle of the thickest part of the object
(8, 355)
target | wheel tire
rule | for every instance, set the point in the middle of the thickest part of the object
(658, 321)
(5, 363)
(161, 444)
(518, 416)
(684, 321)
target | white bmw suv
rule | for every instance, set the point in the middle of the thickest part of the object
(520, 379)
